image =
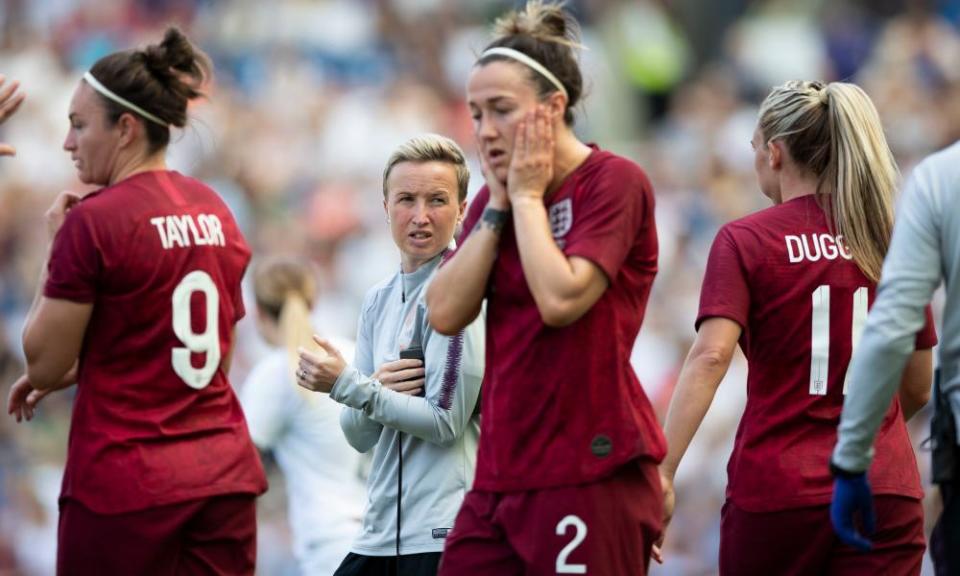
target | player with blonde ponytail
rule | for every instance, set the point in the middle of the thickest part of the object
(301, 429)
(285, 291)
(792, 284)
(857, 173)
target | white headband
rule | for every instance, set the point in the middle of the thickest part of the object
(96, 85)
(521, 57)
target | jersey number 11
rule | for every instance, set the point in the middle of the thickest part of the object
(820, 335)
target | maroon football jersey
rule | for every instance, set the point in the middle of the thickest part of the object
(563, 406)
(155, 420)
(802, 302)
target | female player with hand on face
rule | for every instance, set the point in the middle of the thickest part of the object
(792, 284)
(562, 244)
(137, 306)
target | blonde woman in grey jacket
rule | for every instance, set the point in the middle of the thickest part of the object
(412, 392)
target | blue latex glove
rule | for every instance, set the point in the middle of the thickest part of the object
(851, 494)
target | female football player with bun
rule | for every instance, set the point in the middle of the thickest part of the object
(137, 306)
(562, 244)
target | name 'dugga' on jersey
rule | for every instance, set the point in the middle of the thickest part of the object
(813, 247)
(183, 232)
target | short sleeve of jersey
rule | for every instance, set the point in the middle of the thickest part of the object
(74, 265)
(609, 217)
(927, 337)
(725, 292)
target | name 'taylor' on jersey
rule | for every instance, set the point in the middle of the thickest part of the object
(182, 231)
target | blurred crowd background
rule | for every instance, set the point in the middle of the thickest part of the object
(311, 96)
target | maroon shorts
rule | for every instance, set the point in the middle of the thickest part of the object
(602, 528)
(216, 535)
(802, 541)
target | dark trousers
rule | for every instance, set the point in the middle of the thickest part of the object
(945, 540)
(409, 565)
(215, 535)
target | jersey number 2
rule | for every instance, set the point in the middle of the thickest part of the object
(563, 567)
(820, 335)
(207, 341)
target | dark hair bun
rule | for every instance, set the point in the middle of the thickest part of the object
(545, 22)
(162, 79)
(550, 35)
(177, 64)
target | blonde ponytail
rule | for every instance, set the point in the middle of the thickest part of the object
(284, 289)
(296, 331)
(866, 177)
(833, 131)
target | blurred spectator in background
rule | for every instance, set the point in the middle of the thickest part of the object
(301, 430)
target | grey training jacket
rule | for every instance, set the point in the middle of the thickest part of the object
(925, 249)
(439, 432)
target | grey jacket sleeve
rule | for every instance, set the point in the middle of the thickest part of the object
(360, 431)
(911, 274)
(454, 370)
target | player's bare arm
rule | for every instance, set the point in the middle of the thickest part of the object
(916, 382)
(455, 295)
(563, 288)
(54, 320)
(228, 357)
(702, 372)
(23, 398)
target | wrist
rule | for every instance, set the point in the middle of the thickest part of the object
(494, 218)
(501, 204)
(524, 201)
(838, 472)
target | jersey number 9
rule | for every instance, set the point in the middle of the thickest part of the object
(206, 342)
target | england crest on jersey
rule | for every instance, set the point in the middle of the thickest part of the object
(561, 220)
